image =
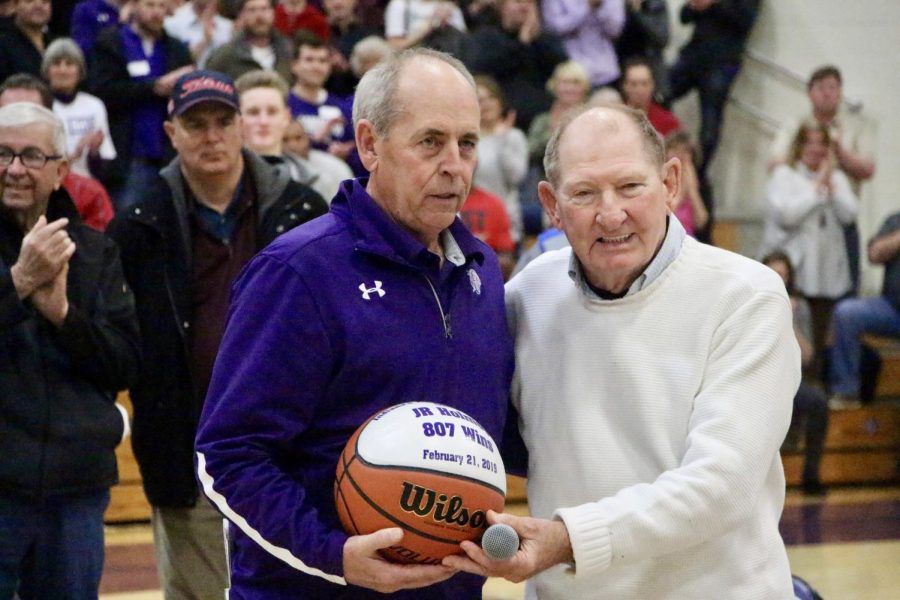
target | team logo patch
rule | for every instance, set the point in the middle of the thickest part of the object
(475, 280)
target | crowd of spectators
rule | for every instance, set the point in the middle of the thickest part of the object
(112, 94)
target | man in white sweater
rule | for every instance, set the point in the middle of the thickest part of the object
(654, 380)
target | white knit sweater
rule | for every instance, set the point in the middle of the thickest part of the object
(653, 425)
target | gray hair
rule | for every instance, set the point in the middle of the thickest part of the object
(653, 144)
(376, 95)
(20, 114)
(60, 49)
(373, 47)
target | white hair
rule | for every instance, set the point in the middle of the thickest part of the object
(20, 114)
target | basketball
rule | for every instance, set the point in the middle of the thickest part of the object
(427, 468)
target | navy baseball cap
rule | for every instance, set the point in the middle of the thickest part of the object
(202, 86)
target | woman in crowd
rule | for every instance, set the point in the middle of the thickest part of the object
(84, 115)
(809, 203)
(502, 151)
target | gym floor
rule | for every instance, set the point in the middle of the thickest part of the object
(844, 544)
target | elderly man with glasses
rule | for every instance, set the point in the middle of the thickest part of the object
(68, 343)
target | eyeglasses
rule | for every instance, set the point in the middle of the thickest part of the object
(31, 157)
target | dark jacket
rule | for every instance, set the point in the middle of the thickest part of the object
(719, 31)
(109, 80)
(58, 424)
(522, 70)
(155, 238)
(18, 54)
(234, 58)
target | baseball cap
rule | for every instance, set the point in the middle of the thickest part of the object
(202, 86)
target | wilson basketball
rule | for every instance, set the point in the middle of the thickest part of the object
(427, 468)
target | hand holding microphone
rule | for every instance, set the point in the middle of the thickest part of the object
(500, 542)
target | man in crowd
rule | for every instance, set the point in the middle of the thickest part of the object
(199, 25)
(70, 343)
(183, 243)
(133, 69)
(22, 46)
(346, 32)
(653, 463)
(325, 117)
(87, 194)
(855, 316)
(329, 171)
(257, 46)
(387, 298)
(638, 89)
(519, 55)
(265, 117)
(711, 60)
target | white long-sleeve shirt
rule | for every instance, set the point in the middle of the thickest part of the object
(807, 224)
(653, 425)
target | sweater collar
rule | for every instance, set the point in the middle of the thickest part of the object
(667, 254)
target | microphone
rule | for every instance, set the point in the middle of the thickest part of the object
(500, 542)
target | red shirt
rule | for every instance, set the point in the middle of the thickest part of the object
(485, 216)
(310, 18)
(662, 120)
(90, 199)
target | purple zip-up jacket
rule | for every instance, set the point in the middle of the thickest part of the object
(335, 320)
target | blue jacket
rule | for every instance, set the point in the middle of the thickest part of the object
(335, 320)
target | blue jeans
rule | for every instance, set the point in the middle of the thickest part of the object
(852, 318)
(52, 547)
(713, 83)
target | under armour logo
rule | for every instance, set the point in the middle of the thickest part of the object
(366, 291)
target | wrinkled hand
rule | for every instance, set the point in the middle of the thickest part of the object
(45, 250)
(543, 544)
(363, 566)
(50, 299)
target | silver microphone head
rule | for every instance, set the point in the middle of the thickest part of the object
(500, 541)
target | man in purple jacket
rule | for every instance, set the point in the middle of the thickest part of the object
(386, 299)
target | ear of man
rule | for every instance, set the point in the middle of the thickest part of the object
(671, 176)
(366, 140)
(548, 199)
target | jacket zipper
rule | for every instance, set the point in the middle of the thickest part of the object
(445, 317)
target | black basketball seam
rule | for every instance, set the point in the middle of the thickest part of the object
(339, 492)
(391, 518)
